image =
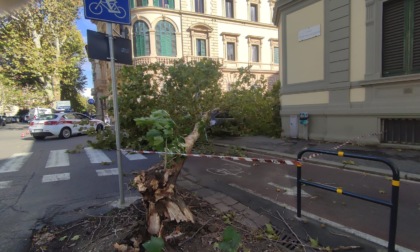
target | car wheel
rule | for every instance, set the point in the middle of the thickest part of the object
(65, 133)
(99, 128)
(39, 137)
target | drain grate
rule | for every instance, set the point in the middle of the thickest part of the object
(286, 239)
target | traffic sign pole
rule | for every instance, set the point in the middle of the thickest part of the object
(116, 116)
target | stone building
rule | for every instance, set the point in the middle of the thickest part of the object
(353, 67)
(237, 33)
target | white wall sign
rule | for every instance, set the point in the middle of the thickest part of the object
(310, 32)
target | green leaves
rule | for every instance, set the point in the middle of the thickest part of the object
(231, 240)
(160, 134)
(155, 244)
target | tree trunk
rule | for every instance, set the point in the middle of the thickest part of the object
(157, 186)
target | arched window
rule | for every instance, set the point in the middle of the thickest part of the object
(165, 39)
(141, 39)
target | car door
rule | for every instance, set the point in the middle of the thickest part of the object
(72, 122)
(83, 122)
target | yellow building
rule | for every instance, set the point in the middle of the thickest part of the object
(237, 33)
(353, 66)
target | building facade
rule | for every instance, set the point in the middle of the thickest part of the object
(353, 67)
(237, 33)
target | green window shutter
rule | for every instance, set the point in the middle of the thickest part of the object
(416, 37)
(140, 46)
(131, 3)
(145, 2)
(276, 55)
(171, 4)
(156, 3)
(393, 49)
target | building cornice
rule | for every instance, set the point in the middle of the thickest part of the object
(280, 6)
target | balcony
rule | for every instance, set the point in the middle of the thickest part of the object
(171, 60)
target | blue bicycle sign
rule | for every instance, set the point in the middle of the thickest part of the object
(113, 11)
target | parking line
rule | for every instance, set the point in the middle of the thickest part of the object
(96, 156)
(55, 177)
(16, 162)
(5, 184)
(107, 172)
(58, 158)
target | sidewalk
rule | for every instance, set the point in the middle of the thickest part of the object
(406, 158)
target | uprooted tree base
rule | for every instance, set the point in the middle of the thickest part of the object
(127, 227)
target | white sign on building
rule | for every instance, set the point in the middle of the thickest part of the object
(310, 32)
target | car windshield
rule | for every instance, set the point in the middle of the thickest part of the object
(47, 117)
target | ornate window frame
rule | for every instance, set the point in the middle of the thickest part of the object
(228, 37)
(254, 40)
(200, 31)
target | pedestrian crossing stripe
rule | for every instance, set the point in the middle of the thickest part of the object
(5, 184)
(133, 155)
(96, 156)
(107, 172)
(55, 177)
(15, 162)
(58, 158)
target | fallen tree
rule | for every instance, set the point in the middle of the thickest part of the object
(157, 185)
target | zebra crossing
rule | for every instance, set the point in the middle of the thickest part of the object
(61, 158)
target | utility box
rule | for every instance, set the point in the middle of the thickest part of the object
(293, 126)
(303, 118)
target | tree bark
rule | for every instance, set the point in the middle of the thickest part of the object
(157, 185)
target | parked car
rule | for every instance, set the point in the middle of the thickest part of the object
(63, 125)
(2, 121)
(36, 112)
(222, 123)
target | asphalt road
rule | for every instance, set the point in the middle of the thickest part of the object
(277, 184)
(41, 183)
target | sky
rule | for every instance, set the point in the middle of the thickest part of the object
(83, 25)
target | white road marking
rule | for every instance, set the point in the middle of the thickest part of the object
(5, 184)
(237, 163)
(107, 172)
(55, 177)
(288, 162)
(290, 177)
(290, 191)
(96, 156)
(133, 156)
(58, 158)
(15, 162)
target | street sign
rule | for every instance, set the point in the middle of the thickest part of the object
(91, 101)
(112, 11)
(98, 48)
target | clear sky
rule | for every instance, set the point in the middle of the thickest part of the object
(83, 25)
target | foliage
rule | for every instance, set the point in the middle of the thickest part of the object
(104, 140)
(184, 90)
(39, 45)
(161, 134)
(231, 240)
(251, 103)
(155, 244)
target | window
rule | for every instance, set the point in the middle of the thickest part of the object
(165, 39)
(170, 4)
(201, 47)
(141, 3)
(255, 53)
(141, 39)
(230, 51)
(229, 8)
(254, 12)
(254, 48)
(199, 6)
(230, 41)
(401, 37)
(276, 55)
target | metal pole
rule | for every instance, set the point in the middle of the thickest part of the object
(299, 188)
(115, 102)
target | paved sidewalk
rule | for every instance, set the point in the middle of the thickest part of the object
(406, 158)
(223, 203)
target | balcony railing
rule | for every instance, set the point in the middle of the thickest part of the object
(170, 60)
